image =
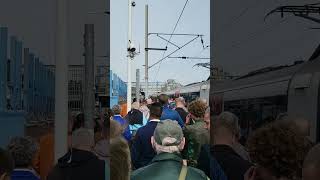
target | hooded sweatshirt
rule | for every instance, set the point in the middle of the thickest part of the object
(78, 165)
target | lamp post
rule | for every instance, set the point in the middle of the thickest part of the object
(131, 53)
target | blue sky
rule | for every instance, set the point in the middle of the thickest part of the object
(163, 15)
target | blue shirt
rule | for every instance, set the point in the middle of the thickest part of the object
(168, 113)
(24, 174)
(126, 134)
(141, 151)
(135, 127)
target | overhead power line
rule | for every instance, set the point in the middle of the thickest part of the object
(173, 52)
(300, 11)
(174, 29)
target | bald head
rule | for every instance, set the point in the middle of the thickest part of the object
(225, 128)
(311, 164)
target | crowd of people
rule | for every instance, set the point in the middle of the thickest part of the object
(164, 138)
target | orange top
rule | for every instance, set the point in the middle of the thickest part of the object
(46, 155)
(123, 110)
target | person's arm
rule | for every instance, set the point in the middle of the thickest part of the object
(179, 119)
(127, 134)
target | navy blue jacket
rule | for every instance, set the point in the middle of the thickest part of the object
(168, 113)
(209, 165)
(233, 165)
(21, 174)
(141, 151)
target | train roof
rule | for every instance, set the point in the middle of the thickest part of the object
(263, 75)
(193, 87)
(267, 82)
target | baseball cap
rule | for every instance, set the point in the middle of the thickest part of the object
(168, 133)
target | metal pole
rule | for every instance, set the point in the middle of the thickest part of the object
(89, 102)
(138, 85)
(146, 50)
(61, 81)
(129, 58)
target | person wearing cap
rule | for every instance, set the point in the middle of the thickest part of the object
(168, 141)
(80, 162)
(168, 113)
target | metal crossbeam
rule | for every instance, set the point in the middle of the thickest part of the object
(156, 49)
(173, 52)
(167, 34)
(185, 57)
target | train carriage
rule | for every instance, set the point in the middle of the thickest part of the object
(265, 94)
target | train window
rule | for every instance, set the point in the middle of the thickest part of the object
(254, 113)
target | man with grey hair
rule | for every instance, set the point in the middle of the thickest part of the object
(80, 162)
(225, 133)
(168, 141)
(23, 151)
(116, 109)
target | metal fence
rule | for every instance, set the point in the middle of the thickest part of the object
(26, 84)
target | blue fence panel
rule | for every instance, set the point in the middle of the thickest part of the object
(12, 71)
(18, 83)
(3, 66)
(31, 83)
(26, 80)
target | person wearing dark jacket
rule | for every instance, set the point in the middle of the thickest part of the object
(209, 165)
(141, 150)
(168, 142)
(225, 129)
(168, 113)
(79, 162)
(181, 108)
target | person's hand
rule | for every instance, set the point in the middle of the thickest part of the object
(250, 174)
(188, 119)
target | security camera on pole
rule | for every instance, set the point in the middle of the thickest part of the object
(131, 53)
